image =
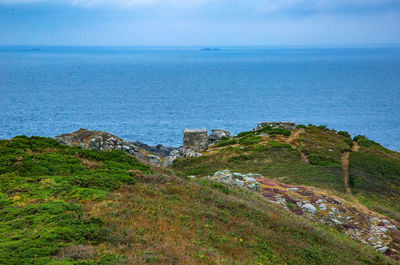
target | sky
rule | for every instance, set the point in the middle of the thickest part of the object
(199, 22)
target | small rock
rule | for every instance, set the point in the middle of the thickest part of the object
(393, 227)
(337, 201)
(309, 208)
(221, 173)
(193, 177)
(383, 249)
(323, 207)
(153, 159)
(255, 187)
(336, 221)
(384, 221)
(319, 201)
(334, 210)
(237, 175)
(226, 178)
(383, 229)
(238, 182)
(294, 189)
(249, 180)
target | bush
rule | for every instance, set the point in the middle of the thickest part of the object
(364, 141)
(274, 131)
(242, 134)
(322, 160)
(250, 140)
(301, 126)
(344, 134)
(349, 142)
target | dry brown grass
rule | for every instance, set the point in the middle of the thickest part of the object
(91, 164)
(170, 220)
(77, 252)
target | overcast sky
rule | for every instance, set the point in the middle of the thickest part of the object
(199, 22)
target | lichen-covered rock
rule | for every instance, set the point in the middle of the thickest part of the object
(309, 208)
(276, 124)
(97, 140)
(237, 179)
(217, 135)
(154, 159)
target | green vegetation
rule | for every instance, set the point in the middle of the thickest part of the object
(66, 205)
(276, 144)
(250, 140)
(324, 146)
(42, 184)
(277, 159)
(274, 131)
(364, 141)
(226, 142)
(375, 175)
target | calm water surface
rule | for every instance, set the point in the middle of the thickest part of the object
(152, 94)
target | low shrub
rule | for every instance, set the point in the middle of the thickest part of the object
(274, 131)
(364, 141)
(276, 144)
(250, 140)
(322, 160)
(242, 134)
(344, 134)
(301, 126)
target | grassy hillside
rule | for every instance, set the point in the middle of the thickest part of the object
(65, 205)
(273, 156)
(375, 177)
(309, 156)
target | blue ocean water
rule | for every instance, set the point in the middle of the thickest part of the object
(152, 94)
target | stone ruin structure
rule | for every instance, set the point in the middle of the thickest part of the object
(195, 140)
(277, 124)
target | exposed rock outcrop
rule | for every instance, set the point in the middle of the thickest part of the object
(217, 135)
(277, 124)
(354, 220)
(97, 140)
(159, 149)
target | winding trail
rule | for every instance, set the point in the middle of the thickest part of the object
(294, 136)
(346, 166)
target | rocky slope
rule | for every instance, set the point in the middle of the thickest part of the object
(351, 218)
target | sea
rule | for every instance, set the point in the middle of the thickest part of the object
(151, 94)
